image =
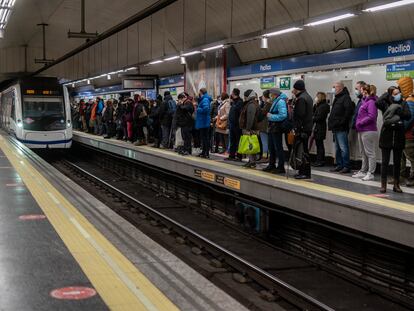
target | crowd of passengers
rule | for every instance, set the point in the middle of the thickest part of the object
(202, 125)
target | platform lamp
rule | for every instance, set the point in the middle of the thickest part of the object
(264, 43)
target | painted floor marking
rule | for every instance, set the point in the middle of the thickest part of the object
(116, 279)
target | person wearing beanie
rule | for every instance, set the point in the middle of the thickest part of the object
(236, 104)
(184, 121)
(339, 120)
(248, 120)
(166, 116)
(302, 125)
(406, 86)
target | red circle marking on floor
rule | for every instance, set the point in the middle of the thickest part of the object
(73, 293)
(32, 217)
(379, 195)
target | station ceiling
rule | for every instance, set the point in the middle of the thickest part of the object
(204, 21)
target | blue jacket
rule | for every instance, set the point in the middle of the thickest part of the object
(100, 106)
(278, 110)
(409, 123)
(203, 112)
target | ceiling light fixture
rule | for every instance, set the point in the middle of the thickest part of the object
(73, 85)
(387, 6)
(155, 62)
(88, 81)
(264, 43)
(108, 77)
(131, 68)
(216, 47)
(182, 60)
(171, 58)
(331, 19)
(283, 31)
(191, 53)
(5, 12)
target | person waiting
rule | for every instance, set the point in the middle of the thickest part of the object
(320, 114)
(366, 127)
(338, 122)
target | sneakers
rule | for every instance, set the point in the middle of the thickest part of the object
(368, 177)
(359, 175)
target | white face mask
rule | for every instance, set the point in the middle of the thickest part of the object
(315, 100)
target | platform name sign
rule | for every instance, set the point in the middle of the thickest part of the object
(173, 91)
(267, 83)
(397, 71)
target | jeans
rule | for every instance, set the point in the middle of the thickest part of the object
(320, 151)
(235, 134)
(342, 149)
(186, 135)
(367, 144)
(276, 149)
(408, 155)
(98, 124)
(166, 132)
(305, 168)
(264, 137)
(386, 154)
(205, 141)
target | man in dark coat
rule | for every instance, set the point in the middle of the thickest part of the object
(320, 114)
(184, 121)
(166, 119)
(302, 124)
(236, 106)
(339, 122)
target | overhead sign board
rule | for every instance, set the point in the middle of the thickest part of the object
(267, 83)
(138, 84)
(396, 71)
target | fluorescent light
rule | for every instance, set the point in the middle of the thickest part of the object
(119, 71)
(88, 81)
(263, 43)
(73, 85)
(191, 53)
(155, 62)
(171, 58)
(387, 6)
(281, 32)
(131, 68)
(108, 77)
(331, 19)
(182, 60)
(214, 47)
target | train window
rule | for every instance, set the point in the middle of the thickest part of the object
(43, 113)
(13, 107)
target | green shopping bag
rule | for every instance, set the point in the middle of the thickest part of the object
(249, 144)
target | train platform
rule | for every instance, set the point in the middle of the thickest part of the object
(327, 196)
(62, 249)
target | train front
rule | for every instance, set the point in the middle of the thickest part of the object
(46, 119)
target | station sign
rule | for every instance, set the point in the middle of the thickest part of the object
(172, 80)
(138, 83)
(397, 71)
(284, 83)
(267, 83)
(173, 91)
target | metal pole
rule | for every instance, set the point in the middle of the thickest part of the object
(83, 16)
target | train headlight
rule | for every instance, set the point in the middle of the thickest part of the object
(68, 124)
(19, 123)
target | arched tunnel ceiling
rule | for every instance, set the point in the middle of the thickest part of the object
(205, 21)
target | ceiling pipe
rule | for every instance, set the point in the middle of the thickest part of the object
(82, 34)
(154, 8)
(44, 60)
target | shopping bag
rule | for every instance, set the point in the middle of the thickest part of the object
(178, 138)
(249, 144)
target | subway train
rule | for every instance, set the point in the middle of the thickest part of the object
(37, 112)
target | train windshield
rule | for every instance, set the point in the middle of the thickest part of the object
(43, 113)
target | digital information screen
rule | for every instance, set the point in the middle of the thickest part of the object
(141, 84)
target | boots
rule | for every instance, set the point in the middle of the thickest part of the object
(397, 187)
(383, 188)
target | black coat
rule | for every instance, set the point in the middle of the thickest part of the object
(393, 136)
(320, 114)
(342, 112)
(302, 113)
(165, 115)
(184, 114)
(236, 106)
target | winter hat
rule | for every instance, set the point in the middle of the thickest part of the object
(247, 93)
(299, 85)
(275, 91)
(406, 86)
(266, 94)
(166, 93)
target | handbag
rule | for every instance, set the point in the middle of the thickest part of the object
(249, 144)
(221, 124)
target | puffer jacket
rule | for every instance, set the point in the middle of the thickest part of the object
(392, 134)
(203, 112)
(278, 113)
(320, 114)
(223, 114)
(366, 120)
(341, 112)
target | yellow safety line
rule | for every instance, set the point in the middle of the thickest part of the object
(301, 183)
(120, 284)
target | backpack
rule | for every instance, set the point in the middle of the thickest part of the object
(172, 106)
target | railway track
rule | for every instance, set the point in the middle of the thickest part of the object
(332, 293)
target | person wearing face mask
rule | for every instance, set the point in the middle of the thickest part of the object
(366, 127)
(338, 122)
(358, 93)
(320, 114)
(392, 137)
(184, 121)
